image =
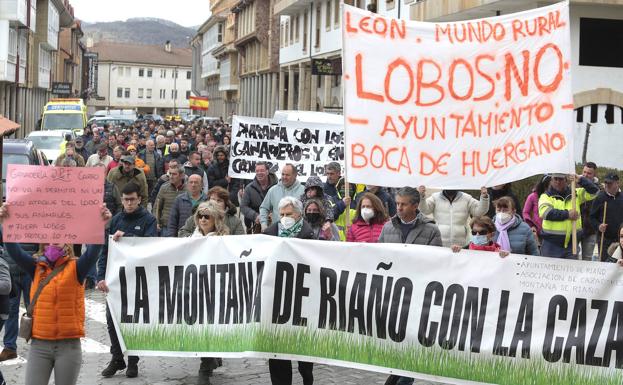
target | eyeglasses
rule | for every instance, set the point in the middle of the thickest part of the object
(204, 216)
(130, 199)
(481, 232)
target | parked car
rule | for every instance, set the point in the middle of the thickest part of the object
(111, 121)
(207, 120)
(190, 118)
(49, 142)
(20, 151)
(154, 117)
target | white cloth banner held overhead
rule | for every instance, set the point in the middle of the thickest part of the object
(309, 146)
(420, 311)
(457, 104)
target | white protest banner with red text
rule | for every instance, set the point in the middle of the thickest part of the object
(54, 204)
(457, 104)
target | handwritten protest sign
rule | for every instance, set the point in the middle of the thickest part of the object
(54, 204)
(309, 146)
(457, 104)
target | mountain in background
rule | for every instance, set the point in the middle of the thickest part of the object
(143, 30)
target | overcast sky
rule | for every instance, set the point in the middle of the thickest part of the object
(184, 12)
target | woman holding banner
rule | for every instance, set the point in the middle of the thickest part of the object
(511, 232)
(58, 278)
(370, 217)
(209, 221)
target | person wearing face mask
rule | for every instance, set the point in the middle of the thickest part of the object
(451, 210)
(482, 229)
(369, 220)
(316, 217)
(511, 232)
(314, 190)
(55, 345)
(291, 224)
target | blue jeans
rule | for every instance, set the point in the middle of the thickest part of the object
(21, 288)
(554, 250)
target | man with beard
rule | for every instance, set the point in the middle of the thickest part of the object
(217, 172)
(80, 150)
(93, 144)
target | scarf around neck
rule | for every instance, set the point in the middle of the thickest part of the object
(502, 228)
(292, 231)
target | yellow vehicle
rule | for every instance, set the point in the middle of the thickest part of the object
(173, 118)
(64, 114)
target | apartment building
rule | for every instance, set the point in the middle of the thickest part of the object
(310, 56)
(215, 60)
(69, 59)
(29, 43)
(147, 78)
(257, 42)
(597, 65)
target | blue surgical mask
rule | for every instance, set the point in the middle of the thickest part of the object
(480, 240)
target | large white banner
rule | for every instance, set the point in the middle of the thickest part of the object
(419, 311)
(457, 104)
(308, 146)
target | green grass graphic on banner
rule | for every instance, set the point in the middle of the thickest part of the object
(346, 347)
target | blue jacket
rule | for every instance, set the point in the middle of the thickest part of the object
(521, 238)
(139, 223)
(182, 209)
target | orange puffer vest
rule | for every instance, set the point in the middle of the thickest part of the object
(59, 311)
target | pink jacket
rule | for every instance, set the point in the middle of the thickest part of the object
(531, 212)
(360, 231)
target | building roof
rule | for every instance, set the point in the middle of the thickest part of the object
(143, 54)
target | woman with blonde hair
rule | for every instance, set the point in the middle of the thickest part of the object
(209, 220)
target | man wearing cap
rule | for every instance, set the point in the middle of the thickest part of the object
(100, 158)
(614, 212)
(558, 214)
(127, 172)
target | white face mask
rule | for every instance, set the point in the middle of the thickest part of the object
(504, 217)
(367, 213)
(287, 222)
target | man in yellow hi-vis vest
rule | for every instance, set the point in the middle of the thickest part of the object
(335, 188)
(558, 213)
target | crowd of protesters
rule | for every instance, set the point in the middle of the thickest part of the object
(171, 180)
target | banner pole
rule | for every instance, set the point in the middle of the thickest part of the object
(345, 112)
(574, 223)
(603, 222)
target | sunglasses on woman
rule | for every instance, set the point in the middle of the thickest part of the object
(481, 232)
(204, 216)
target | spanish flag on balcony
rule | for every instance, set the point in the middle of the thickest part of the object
(198, 103)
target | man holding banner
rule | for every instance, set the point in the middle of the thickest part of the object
(556, 209)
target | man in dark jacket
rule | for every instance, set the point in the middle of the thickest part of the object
(132, 221)
(81, 150)
(412, 227)
(217, 172)
(193, 167)
(614, 213)
(253, 197)
(290, 225)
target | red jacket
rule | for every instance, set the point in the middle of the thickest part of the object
(360, 231)
(492, 246)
